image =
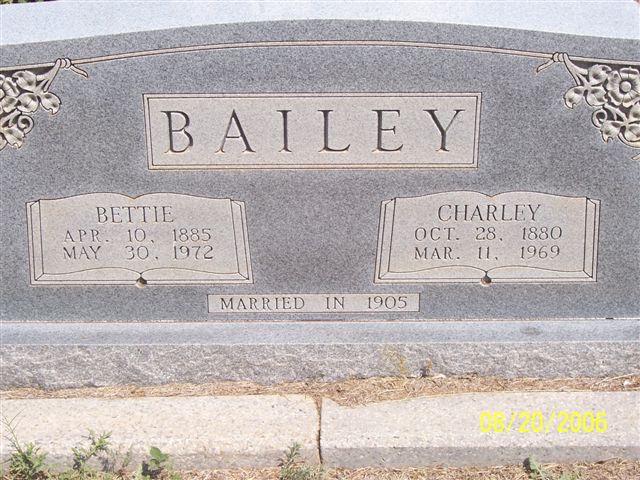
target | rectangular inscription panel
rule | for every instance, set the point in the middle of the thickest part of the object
(390, 130)
(159, 238)
(315, 303)
(469, 237)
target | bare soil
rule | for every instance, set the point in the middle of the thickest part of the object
(614, 469)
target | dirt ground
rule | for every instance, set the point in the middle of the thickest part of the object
(607, 470)
(348, 392)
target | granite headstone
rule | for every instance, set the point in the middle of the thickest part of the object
(319, 199)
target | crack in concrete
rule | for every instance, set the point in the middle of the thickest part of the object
(318, 402)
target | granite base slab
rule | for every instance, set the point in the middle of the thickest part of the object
(68, 355)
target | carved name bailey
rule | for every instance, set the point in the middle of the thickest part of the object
(469, 237)
(312, 130)
(159, 238)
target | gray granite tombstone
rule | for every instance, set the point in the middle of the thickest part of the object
(319, 199)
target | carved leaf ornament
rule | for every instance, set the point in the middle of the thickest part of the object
(615, 94)
(611, 87)
(21, 94)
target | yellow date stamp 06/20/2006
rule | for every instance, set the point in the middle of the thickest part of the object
(537, 421)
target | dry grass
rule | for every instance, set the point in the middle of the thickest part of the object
(614, 469)
(347, 392)
(606, 470)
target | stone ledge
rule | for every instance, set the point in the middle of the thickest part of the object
(74, 366)
(70, 355)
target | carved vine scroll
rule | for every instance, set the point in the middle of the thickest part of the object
(611, 87)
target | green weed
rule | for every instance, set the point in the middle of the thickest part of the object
(157, 464)
(115, 463)
(537, 472)
(293, 468)
(7, 2)
(98, 444)
(26, 462)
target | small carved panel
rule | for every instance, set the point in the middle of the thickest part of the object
(314, 303)
(159, 238)
(470, 237)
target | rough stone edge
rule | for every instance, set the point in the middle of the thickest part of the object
(70, 366)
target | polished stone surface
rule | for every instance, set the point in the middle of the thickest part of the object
(315, 231)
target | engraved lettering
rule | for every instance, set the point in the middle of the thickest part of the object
(161, 238)
(488, 212)
(260, 303)
(335, 303)
(81, 235)
(313, 303)
(79, 253)
(297, 131)
(226, 303)
(426, 253)
(182, 130)
(468, 236)
(381, 129)
(443, 130)
(133, 214)
(326, 147)
(285, 130)
(234, 121)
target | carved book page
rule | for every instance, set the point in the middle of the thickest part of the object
(467, 237)
(159, 238)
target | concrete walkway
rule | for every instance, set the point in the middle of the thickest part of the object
(198, 432)
(254, 431)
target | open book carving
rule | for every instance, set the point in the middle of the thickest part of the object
(159, 238)
(467, 236)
